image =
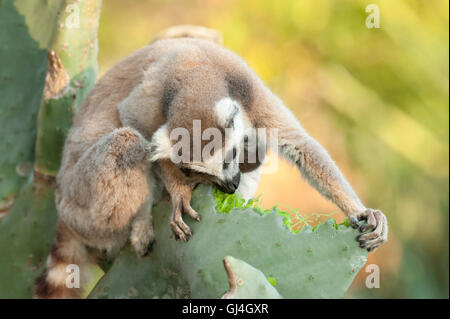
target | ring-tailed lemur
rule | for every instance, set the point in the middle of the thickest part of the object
(119, 148)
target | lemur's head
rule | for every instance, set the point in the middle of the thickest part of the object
(206, 107)
(207, 142)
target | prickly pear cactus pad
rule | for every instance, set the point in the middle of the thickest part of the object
(26, 234)
(319, 263)
(48, 67)
(26, 30)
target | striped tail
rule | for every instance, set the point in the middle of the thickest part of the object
(66, 269)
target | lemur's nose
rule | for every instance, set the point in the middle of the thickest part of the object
(231, 186)
(236, 179)
(234, 183)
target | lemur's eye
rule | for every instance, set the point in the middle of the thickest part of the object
(234, 152)
(186, 171)
(230, 157)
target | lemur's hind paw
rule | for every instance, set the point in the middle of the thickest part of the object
(148, 249)
(181, 230)
(376, 224)
(179, 227)
(142, 238)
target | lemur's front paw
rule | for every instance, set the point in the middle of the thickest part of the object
(179, 227)
(376, 224)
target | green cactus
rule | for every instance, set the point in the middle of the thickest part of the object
(26, 234)
(28, 229)
(311, 264)
(76, 46)
(26, 32)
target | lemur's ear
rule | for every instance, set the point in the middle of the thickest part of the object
(226, 111)
(160, 145)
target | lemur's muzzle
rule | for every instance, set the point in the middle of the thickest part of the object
(230, 186)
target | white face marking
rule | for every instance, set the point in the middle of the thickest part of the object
(230, 116)
(229, 113)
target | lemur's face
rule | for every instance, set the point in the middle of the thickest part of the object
(215, 155)
(225, 174)
(221, 148)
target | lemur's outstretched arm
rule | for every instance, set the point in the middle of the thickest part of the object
(319, 169)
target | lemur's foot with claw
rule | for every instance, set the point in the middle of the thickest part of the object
(179, 228)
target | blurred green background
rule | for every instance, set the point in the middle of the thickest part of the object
(377, 99)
